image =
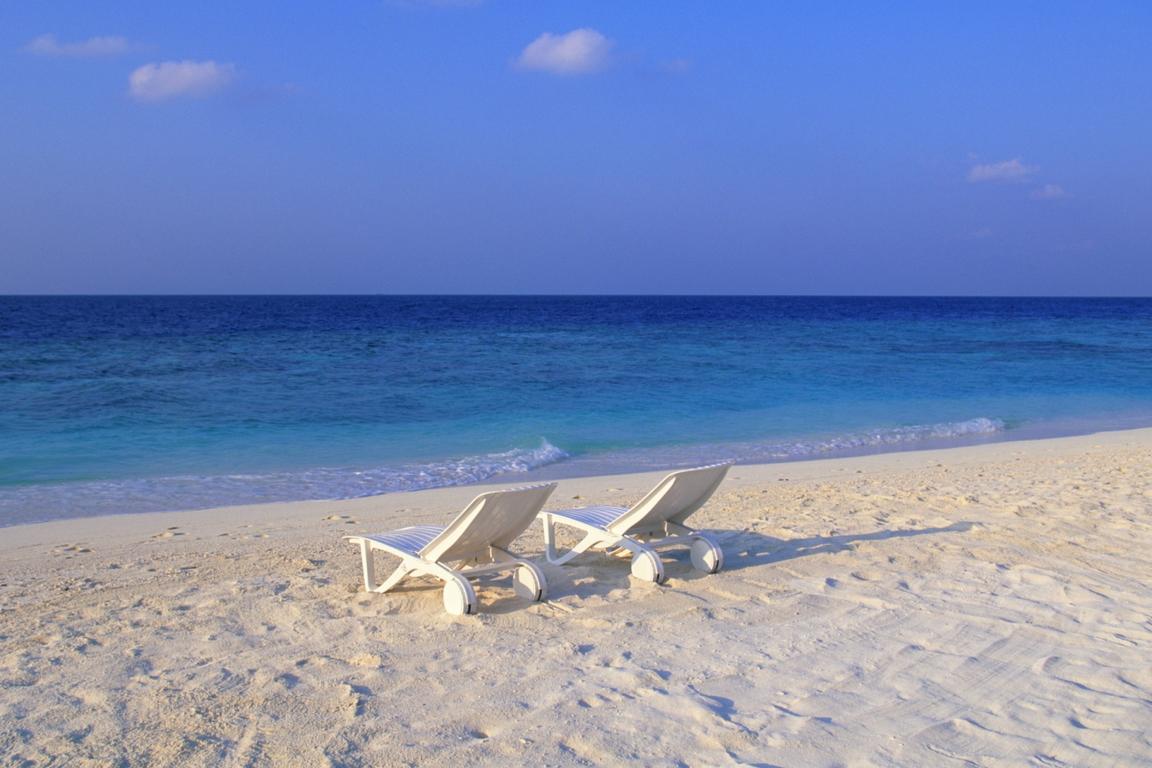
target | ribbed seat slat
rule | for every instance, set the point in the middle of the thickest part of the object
(600, 516)
(411, 539)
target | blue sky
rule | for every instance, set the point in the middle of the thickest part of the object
(525, 146)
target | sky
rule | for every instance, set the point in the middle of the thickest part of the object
(529, 146)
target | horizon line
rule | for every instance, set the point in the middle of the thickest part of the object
(577, 295)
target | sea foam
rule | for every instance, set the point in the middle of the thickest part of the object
(37, 503)
(869, 441)
(810, 447)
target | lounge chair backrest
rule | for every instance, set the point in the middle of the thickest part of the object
(675, 498)
(492, 519)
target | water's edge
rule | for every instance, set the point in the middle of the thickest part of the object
(46, 503)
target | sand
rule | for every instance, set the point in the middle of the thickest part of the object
(983, 606)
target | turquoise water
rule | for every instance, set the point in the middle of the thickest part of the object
(128, 404)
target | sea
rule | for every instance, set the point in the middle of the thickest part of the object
(138, 404)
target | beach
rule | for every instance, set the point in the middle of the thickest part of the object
(983, 605)
(831, 327)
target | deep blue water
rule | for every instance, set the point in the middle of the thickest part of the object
(124, 404)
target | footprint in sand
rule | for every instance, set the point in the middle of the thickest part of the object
(592, 702)
(85, 583)
(168, 533)
(354, 697)
(71, 549)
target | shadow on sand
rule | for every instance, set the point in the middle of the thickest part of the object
(744, 549)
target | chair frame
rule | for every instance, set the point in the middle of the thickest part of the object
(620, 537)
(459, 595)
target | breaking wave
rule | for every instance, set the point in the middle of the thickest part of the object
(44, 502)
(887, 437)
(814, 447)
(36, 503)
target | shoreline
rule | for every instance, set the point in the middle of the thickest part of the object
(807, 469)
(203, 492)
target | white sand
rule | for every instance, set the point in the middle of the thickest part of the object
(978, 606)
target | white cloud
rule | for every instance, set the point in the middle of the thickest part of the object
(48, 45)
(172, 79)
(1006, 171)
(1049, 192)
(578, 52)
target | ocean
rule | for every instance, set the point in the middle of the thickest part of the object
(134, 404)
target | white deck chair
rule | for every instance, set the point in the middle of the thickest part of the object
(652, 522)
(475, 543)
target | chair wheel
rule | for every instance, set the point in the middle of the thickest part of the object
(706, 555)
(529, 582)
(647, 566)
(459, 597)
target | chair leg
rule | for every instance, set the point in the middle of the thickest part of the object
(591, 539)
(396, 577)
(549, 538)
(369, 566)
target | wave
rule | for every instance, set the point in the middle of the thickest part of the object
(869, 441)
(889, 436)
(35, 503)
(813, 447)
(44, 502)
(472, 469)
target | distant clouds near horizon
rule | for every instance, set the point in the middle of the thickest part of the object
(1014, 171)
(578, 52)
(101, 45)
(460, 145)
(151, 82)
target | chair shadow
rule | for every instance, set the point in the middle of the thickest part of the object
(745, 549)
(742, 549)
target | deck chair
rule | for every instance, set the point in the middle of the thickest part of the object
(473, 544)
(654, 521)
